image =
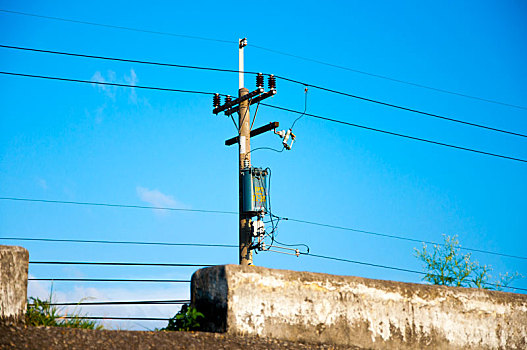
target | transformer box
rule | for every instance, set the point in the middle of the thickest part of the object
(254, 187)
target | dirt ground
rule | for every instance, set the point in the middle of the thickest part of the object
(67, 338)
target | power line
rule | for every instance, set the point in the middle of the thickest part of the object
(119, 242)
(120, 27)
(137, 302)
(385, 235)
(162, 64)
(219, 245)
(269, 50)
(389, 78)
(106, 83)
(104, 318)
(116, 263)
(107, 280)
(117, 205)
(394, 268)
(407, 109)
(236, 71)
(397, 134)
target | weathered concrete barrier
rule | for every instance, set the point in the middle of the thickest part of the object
(357, 311)
(13, 284)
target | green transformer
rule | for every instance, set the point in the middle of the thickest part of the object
(254, 187)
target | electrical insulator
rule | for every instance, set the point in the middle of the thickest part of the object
(228, 99)
(272, 82)
(285, 135)
(260, 80)
(216, 100)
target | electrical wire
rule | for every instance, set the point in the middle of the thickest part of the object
(107, 280)
(407, 109)
(263, 148)
(127, 60)
(397, 134)
(408, 239)
(136, 302)
(304, 113)
(120, 242)
(269, 50)
(384, 235)
(119, 27)
(394, 268)
(274, 226)
(111, 318)
(106, 83)
(118, 205)
(248, 72)
(116, 263)
(389, 78)
(255, 113)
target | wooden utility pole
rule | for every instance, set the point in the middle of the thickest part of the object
(246, 256)
(241, 105)
(244, 122)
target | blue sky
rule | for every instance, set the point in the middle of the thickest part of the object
(89, 143)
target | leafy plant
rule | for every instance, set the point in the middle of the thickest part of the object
(446, 265)
(44, 313)
(185, 320)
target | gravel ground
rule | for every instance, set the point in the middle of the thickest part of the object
(67, 338)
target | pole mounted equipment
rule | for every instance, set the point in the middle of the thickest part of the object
(253, 195)
(216, 100)
(260, 80)
(272, 82)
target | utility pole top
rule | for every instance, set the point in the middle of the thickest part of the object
(241, 44)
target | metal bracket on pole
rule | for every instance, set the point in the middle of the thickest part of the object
(253, 101)
(254, 132)
(238, 100)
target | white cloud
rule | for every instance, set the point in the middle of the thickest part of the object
(158, 199)
(42, 183)
(132, 80)
(109, 91)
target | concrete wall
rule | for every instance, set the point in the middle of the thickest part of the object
(357, 311)
(13, 284)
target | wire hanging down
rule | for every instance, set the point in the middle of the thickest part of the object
(397, 134)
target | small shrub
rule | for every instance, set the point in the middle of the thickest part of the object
(43, 313)
(446, 265)
(185, 320)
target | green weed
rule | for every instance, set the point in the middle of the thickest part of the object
(185, 320)
(43, 313)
